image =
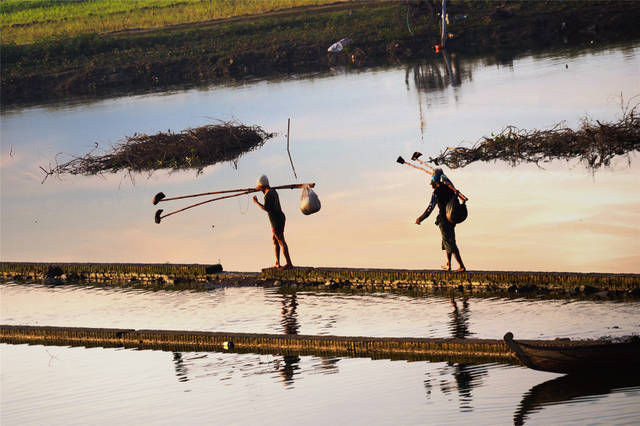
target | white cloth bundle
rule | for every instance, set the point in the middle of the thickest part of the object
(309, 201)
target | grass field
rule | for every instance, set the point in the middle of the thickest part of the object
(27, 21)
(91, 63)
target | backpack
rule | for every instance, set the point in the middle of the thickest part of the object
(456, 212)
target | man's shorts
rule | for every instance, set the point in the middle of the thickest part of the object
(277, 224)
(448, 231)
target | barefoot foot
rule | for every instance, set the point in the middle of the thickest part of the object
(446, 267)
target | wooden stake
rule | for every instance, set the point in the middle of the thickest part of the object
(289, 152)
(443, 34)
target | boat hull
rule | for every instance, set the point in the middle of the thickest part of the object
(577, 357)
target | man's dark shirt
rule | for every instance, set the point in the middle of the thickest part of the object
(441, 196)
(272, 206)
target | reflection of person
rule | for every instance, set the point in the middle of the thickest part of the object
(460, 319)
(442, 193)
(290, 325)
(181, 368)
(289, 369)
(289, 316)
(276, 217)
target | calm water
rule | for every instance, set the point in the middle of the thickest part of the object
(347, 130)
(258, 310)
(61, 385)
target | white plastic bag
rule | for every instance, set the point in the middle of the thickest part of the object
(309, 201)
(339, 45)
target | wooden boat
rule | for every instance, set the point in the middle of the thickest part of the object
(576, 357)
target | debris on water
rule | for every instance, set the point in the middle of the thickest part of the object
(594, 143)
(190, 149)
(338, 46)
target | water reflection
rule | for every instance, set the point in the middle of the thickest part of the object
(432, 76)
(288, 366)
(455, 377)
(346, 132)
(289, 319)
(181, 368)
(573, 389)
(235, 388)
(459, 326)
(466, 377)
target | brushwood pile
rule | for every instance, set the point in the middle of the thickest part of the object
(595, 144)
(189, 149)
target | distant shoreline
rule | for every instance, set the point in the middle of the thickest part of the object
(294, 41)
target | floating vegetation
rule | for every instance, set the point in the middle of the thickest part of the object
(594, 144)
(189, 149)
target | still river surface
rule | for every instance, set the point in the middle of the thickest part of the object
(347, 130)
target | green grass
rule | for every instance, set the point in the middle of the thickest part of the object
(27, 21)
(88, 63)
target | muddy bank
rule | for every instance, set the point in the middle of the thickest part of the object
(258, 47)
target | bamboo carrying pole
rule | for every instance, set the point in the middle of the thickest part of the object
(159, 216)
(161, 197)
(429, 172)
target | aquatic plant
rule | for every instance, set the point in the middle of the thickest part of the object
(594, 143)
(190, 149)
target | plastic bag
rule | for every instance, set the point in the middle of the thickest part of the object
(339, 45)
(456, 212)
(309, 201)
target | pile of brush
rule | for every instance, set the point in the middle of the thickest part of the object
(594, 143)
(189, 149)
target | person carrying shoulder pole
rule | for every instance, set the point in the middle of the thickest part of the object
(441, 195)
(276, 217)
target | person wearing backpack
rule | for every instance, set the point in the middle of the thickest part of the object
(442, 194)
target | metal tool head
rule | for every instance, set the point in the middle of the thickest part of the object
(159, 197)
(416, 155)
(400, 160)
(158, 218)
